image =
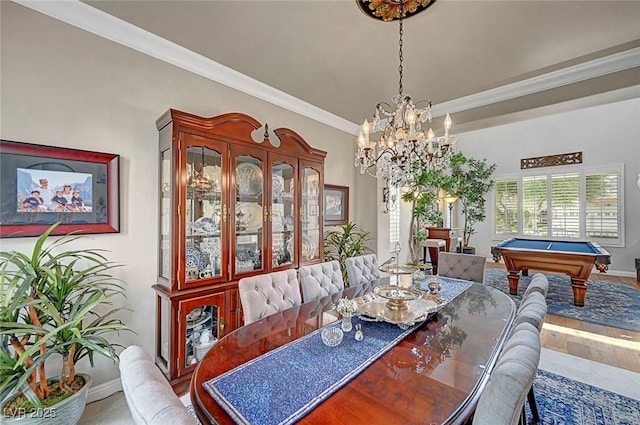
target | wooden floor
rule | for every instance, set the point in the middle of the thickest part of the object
(602, 344)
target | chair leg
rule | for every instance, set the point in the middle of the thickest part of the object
(531, 397)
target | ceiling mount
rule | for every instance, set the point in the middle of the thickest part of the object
(390, 10)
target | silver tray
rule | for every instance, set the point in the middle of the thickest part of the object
(372, 307)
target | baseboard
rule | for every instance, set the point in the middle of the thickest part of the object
(104, 390)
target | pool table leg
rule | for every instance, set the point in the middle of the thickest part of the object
(513, 282)
(579, 291)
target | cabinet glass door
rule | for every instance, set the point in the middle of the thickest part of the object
(282, 213)
(311, 215)
(166, 211)
(203, 214)
(201, 332)
(249, 214)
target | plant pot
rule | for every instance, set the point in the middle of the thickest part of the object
(67, 412)
(468, 250)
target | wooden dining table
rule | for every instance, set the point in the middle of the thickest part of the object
(434, 375)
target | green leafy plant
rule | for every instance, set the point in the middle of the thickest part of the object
(344, 242)
(53, 301)
(422, 193)
(471, 180)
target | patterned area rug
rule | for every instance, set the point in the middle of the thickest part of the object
(606, 303)
(189, 408)
(564, 401)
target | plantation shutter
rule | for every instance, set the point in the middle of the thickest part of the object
(534, 206)
(602, 205)
(565, 205)
(506, 207)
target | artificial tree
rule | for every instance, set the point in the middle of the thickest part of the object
(471, 179)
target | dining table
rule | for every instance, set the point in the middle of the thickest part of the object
(430, 373)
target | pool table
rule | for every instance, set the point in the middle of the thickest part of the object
(573, 258)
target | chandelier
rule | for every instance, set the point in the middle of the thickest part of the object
(403, 150)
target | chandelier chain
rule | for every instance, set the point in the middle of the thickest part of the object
(401, 32)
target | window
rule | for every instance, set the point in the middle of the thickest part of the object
(582, 204)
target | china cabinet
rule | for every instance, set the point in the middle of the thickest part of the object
(230, 207)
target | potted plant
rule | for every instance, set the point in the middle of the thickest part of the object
(344, 242)
(470, 181)
(423, 194)
(53, 301)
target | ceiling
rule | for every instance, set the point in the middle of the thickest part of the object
(329, 54)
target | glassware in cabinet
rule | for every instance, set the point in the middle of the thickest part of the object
(203, 218)
(249, 212)
(282, 211)
(311, 213)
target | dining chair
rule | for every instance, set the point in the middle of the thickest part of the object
(462, 266)
(503, 399)
(361, 269)
(266, 294)
(532, 309)
(539, 282)
(148, 393)
(319, 280)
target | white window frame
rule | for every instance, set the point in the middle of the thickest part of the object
(582, 171)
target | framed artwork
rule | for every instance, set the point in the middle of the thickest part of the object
(336, 204)
(41, 185)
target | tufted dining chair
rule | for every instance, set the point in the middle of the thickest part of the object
(361, 269)
(266, 294)
(148, 393)
(532, 309)
(539, 283)
(462, 266)
(503, 399)
(319, 280)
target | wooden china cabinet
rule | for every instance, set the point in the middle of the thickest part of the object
(230, 207)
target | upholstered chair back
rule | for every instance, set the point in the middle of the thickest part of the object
(148, 393)
(462, 266)
(361, 269)
(539, 283)
(319, 280)
(502, 401)
(266, 294)
(533, 309)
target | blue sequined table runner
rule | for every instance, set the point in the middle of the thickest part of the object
(283, 385)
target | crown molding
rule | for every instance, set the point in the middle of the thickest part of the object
(93, 20)
(572, 74)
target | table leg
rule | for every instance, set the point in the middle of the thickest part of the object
(513, 282)
(433, 253)
(579, 291)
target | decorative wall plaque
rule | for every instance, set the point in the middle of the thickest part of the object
(551, 160)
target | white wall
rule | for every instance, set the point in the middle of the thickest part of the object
(64, 87)
(606, 135)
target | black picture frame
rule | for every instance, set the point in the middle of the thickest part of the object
(336, 205)
(91, 177)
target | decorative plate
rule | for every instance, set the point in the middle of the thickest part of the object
(193, 259)
(308, 247)
(252, 215)
(248, 179)
(205, 224)
(277, 185)
(289, 220)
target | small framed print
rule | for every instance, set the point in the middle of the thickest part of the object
(336, 204)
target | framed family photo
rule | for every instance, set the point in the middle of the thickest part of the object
(41, 185)
(336, 204)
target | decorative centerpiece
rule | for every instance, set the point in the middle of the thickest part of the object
(347, 308)
(396, 295)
